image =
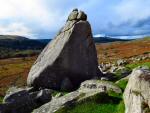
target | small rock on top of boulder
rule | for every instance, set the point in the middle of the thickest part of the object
(70, 55)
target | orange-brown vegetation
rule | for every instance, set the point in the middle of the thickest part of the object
(108, 52)
(13, 72)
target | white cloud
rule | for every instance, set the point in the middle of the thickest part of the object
(16, 29)
(133, 9)
(130, 37)
(33, 11)
(37, 14)
(48, 16)
(99, 35)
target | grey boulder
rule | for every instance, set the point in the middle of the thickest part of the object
(71, 54)
(137, 92)
(19, 100)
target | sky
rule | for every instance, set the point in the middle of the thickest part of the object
(42, 19)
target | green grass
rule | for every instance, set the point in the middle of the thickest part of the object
(101, 103)
(114, 94)
(120, 107)
(122, 84)
(128, 68)
(118, 73)
(1, 99)
(54, 93)
(92, 107)
(134, 65)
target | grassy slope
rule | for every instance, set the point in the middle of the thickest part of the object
(16, 46)
(13, 72)
(101, 103)
(113, 51)
(134, 65)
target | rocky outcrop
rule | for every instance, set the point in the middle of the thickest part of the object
(137, 92)
(99, 85)
(70, 56)
(19, 100)
(88, 89)
(58, 103)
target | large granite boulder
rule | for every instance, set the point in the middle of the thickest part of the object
(71, 54)
(137, 92)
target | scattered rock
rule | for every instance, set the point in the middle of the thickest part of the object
(58, 103)
(121, 62)
(87, 89)
(137, 92)
(99, 85)
(41, 97)
(113, 69)
(21, 101)
(104, 78)
(71, 55)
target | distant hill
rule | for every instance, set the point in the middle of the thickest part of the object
(96, 39)
(107, 39)
(19, 43)
(12, 37)
(44, 41)
(18, 46)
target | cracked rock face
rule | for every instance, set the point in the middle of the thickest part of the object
(70, 55)
(137, 92)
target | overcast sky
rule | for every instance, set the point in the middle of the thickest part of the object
(44, 18)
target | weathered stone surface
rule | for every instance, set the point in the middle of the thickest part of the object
(71, 54)
(41, 97)
(21, 101)
(66, 84)
(99, 85)
(87, 89)
(137, 92)
(82, 16)
(58, 103)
